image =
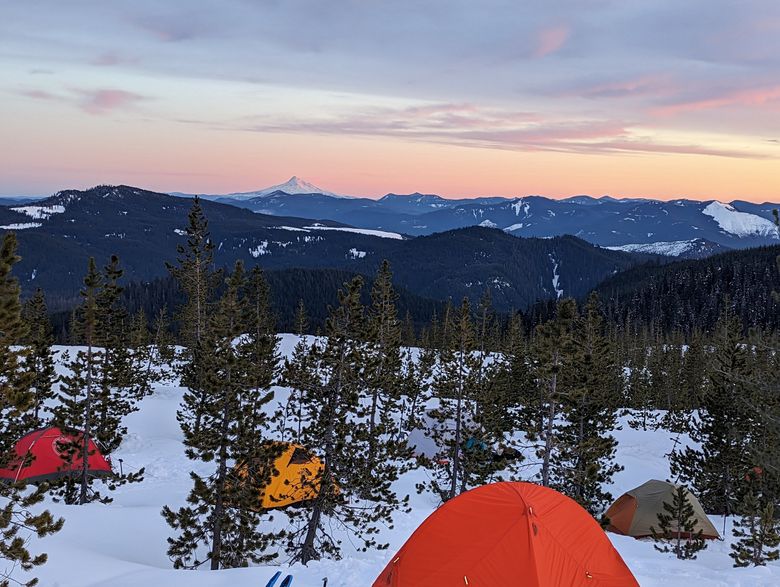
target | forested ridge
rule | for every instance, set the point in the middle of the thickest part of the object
(690, 295)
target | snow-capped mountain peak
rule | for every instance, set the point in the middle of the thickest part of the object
(293, 186)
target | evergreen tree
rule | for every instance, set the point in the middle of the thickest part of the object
(724, 423)
(384, 368)
(195, 275)
(17, 398)
(408, 334)
(258, 346)
(299, 376)
(40, 359)
(693, 386)
(75, 412)
(163, 352)
(142, 352)
(121, 381)
(553, 351)
(91, 403)
(353, 489)
(224, 511)
(677, 527)
(756, 530)
(640, 391)
(464, 457)
(504, 401)
(584, 461)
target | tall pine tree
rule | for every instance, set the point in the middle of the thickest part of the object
(40, 359)
(464, 457)
(722, 457)
(197, 279)
(353, 489)
(553, 355)
(94, 395)
(584, 462)
(18, 522)
(222, 522)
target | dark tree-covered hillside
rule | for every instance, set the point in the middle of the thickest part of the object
(691, 295)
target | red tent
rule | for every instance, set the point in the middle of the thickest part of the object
(42, 455)
(508, 534)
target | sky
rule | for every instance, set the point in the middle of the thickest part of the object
(632, 98)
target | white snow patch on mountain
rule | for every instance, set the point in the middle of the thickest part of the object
(556, 279)
(40, 212)
(21, 226)
(512, 227)
(180, 232)
(488, 224)
(292, 228)
(520, 205)
(294, 185)
(668, 248)
(370, 232)
(261, 249)
(355, 254)
(740, 223)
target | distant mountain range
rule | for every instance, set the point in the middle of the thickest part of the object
(684, 228)
(58, 234)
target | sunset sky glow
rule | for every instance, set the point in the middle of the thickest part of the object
(654, 98)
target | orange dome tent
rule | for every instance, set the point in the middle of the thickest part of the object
(507, 534)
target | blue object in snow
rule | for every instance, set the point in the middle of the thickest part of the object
(274, 579)
(287, 581)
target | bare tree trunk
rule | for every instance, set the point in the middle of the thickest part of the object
(548, 434)
(219, 505)
(308, 551)
(457, 440)
(84, 491)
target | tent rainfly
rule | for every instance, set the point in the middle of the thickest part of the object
(508, 533)
(49, 454)
(637, 510)
(295, 478)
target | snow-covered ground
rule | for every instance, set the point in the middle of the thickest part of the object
(123, 544)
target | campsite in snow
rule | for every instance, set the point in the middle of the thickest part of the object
(399, 293)
(123, 543)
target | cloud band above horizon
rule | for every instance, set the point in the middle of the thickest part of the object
(647, 98)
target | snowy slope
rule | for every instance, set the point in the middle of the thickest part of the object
(123, 544)
(740, 223)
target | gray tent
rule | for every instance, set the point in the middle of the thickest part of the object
(635, 511)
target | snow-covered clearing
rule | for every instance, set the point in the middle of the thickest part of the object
(39, 212)
(21, 226)
(669, 248)
(368, 231)
(123, 544)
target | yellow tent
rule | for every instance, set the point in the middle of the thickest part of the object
(295, 479)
